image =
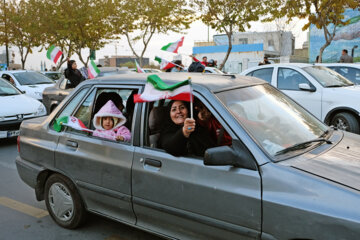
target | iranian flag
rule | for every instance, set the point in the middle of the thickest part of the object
(53, 53)
(156, 89)
(93, 71)
(72, 122)
(174, 46)
(164, 64)
(138, 68)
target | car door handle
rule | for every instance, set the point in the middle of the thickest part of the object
(71, 144)
(152, 162)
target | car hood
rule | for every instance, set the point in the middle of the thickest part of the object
(341, 164)
(18, 104)
(35, 91)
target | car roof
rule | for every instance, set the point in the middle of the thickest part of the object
(356, 65)
(213, 82)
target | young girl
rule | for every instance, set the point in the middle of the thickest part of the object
(109, 123)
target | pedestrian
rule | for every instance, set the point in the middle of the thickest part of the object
(179, 67)
(345, 58)
(317, 59)
(53, 68)
(204, 61)
(73, 74)
(266, 61)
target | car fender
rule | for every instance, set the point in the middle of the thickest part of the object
(335, 110)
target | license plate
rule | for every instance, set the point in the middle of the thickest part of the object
(13, 133)
(3, 134)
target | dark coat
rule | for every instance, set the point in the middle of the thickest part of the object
(174, 142)
(75, 77)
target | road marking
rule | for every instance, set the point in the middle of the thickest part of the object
(22, 207)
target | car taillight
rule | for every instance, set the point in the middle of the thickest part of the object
(18, 143)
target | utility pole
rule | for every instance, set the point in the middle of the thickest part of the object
(6, 38)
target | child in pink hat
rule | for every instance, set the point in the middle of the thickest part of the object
(109, 123)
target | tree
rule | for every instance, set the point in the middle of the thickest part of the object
(141, 19)
(324, 14)
(23, 27)
(229, 15)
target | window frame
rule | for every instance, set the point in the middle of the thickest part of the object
(107, 86)
(265, 68)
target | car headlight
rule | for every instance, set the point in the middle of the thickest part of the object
(41, 110)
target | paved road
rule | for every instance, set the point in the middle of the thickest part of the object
(24, 218)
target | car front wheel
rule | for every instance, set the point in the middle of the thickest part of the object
(346, 121)
(63, 202)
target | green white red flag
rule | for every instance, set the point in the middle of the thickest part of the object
(70, 121)
(164, 64)
(173, 46)
(138, 68)
(53, 53)
(93, 70)
(156, 89)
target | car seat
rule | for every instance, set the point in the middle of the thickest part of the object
(156, 121)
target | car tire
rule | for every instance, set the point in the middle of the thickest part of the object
(63, 202)
(346, 121)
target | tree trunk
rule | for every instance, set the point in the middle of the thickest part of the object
(229, 34)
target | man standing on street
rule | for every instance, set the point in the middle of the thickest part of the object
(345, 58)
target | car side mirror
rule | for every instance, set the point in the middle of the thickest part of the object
(225, 156)
(23, 92)
(306, 87)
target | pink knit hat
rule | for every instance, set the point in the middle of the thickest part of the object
(109, 110)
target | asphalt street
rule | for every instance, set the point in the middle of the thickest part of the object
(23, 217)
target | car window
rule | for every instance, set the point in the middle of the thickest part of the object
(97, 109)
(6, 89)
(157, 119)
(289, 79)
(264, 74)
(327, 77)
(30, 78)
(353, 74)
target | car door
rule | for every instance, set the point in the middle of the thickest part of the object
(100, 167)
(288, 80)
(182, 198)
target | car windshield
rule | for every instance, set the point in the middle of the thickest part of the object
(53, 75)
(6, 89)
(327, 77)
(32, 78)
(274, 120)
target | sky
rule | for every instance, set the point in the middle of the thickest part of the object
(198, 31)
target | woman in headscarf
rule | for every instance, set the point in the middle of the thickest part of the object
(73, 74)
(180, 135)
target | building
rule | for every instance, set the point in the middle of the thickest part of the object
(248, 49)
(118, 61)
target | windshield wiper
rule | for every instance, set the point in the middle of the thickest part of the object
(336, 85)
(304, 145)
(8, 94)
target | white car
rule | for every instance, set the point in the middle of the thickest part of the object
(31, 82)
(349, 70)
(322, 91)
(16, 107)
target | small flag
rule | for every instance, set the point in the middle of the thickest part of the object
(53, 53)
(138, 68)
(164, 64)
(70, 121)
(156, 89)
(93, 70)
(174, 46)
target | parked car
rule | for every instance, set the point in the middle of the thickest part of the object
(52, 96)
(213, 70)
(286, 175)
(322, 91)
(53, 75)
(350, 71)
(108, 71)
(31, 82)
(14, 108)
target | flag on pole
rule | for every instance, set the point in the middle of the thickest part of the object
(53, 53)
(93, 71)
(156, 89)
(138, 68)
(174, 46)
(70, 121)
(164, 64)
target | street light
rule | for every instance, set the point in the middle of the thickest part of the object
(6, 38)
